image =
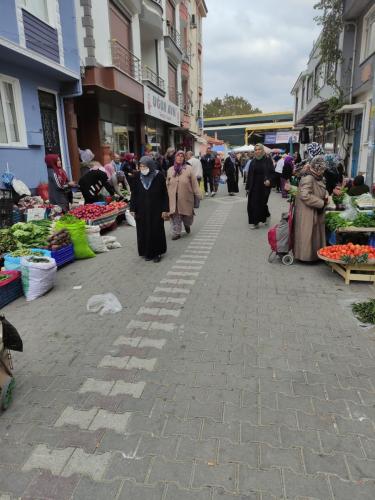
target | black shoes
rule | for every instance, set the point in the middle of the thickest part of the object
(187, 229)
(157, 259)
(176, 237)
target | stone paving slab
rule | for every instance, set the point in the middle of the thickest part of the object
(223, 377)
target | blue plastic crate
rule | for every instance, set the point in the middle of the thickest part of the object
(64, 255)
(11, 290)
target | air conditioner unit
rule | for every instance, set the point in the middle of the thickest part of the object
(193, 23)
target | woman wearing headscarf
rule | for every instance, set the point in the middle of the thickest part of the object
(311, 199)
(258, 186)
(216, 172)
(58, 184)
(149, 205)
(230, 168)
(183, 189)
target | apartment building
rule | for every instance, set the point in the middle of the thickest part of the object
(354, 76)
(39, 74)
(142, 74)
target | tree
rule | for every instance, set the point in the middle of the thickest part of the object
(331, 20)
(227, 106)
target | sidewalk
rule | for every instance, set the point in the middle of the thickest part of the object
(223, 377)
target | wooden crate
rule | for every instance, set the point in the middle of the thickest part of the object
(354, 272)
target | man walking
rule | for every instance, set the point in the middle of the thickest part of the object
(208, 162)
(195, 164)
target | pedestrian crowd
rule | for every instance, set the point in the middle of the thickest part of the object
(171, 186)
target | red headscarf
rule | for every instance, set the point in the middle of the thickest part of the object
(51, 162)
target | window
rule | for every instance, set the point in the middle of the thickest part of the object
(368, 37)
(38, 8)
(319, 76)
(309, 86)
(11, 129)
(303, 95)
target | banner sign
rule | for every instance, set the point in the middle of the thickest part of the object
(161, 107)
(284, 136)
(270, 138)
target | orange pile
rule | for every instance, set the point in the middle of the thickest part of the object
(337, 252)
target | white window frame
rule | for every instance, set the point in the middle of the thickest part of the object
(20, 116)
(370, 14)
(51, 12)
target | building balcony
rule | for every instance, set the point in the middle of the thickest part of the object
(152, 17)
(153, 80)
(186, 54)
(175, 96)
(185, 71)
(124, 60)
(172, 44)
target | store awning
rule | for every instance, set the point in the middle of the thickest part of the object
(198, 138)
(348, 108)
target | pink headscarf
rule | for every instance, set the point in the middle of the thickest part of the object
(178, 167)
(109, 170)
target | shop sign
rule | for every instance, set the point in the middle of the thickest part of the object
(161, 108)
(284, 136)
(270, 138)
(35, 214)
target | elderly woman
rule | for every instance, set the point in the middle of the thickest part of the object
(258, 186)
(183, 191)
(58, 184)
(231, 166)
(149, 206)
(311, 199)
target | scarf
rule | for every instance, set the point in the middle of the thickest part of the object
(147, 179)
(314, 149)
(178, 167)
(51, 162)
(316, 167)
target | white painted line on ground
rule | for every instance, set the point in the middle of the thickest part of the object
(114, 362)
(141, 364)
(153, 343)
(129, 341)
(44, 458)
(141, 325)
(108, 420)
(102, 387)
(134, 389)
(87, 464)
(177, 282)
(182, 261)
(160, 289)
(112, 387)
(187, 268)
(165, 300)
(182, 273)
(164, 327)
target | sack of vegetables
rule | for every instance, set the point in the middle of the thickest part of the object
(77, 231)
(38, 275)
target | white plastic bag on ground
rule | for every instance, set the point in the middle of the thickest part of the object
(106, 303)
(129, 218)
(111, 242)
(95, 240)
(38, 275)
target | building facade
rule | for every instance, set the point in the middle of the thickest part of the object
(39, 73)
(354, 73)
(140, 85)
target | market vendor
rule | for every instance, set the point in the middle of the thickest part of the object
(359, 187)
(93, 182)
(59, 187)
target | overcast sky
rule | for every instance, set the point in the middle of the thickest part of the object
(257, 48)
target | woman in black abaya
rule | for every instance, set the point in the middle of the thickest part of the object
(150, 205)
(258, 187)
(231, 167)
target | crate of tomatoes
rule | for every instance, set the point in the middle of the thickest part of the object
(349, 253)
(96, 215)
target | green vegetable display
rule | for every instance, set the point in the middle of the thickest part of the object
(7, 241)
(68, 219)
(31, 234)
(339, 198)
(364, 220)
(365, 311)
(23, 252)
(333, 221)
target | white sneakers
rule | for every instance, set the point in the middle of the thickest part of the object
(254, 226)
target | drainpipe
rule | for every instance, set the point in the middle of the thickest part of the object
(371, 139)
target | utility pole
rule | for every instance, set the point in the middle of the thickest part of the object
(371, 139)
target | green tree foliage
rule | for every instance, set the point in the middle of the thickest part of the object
(331, 20)
(227, 106)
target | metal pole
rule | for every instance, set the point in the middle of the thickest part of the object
(371, 139)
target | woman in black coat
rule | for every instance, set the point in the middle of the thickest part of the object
(231, 167)
(150, 206)
(258, 187)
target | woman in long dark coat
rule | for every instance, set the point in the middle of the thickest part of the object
(258, 186)
(150, 206)
(231, 168)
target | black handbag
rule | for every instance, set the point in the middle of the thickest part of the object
(197, 201)
(11, 337)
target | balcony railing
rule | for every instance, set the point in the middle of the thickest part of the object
(174, 96)
(149, 75)
(186, 53)
(174, 34)
(125, 60)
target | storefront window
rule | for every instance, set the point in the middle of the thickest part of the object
(121, 139)
(106, 133)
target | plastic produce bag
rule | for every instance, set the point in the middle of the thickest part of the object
(129, 218)
(38, 275)
(95, 240)
(111, 242)
(20, 188)
(350, 212)
(106, 303)
(223, 179)
(77, 232)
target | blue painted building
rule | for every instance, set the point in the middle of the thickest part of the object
(39, 75)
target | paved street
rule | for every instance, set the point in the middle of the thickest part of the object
(223, 377)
